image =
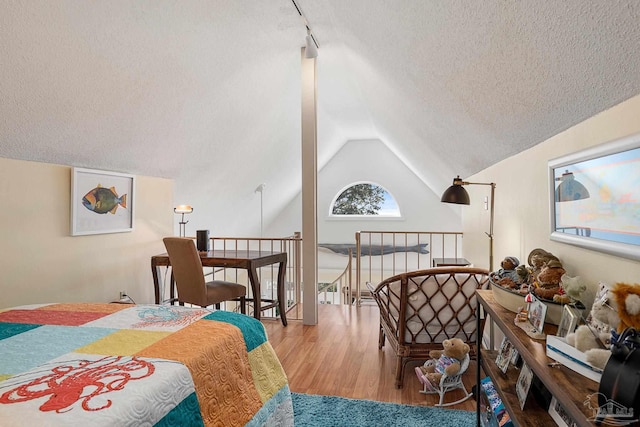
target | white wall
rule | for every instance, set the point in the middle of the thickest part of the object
(41, 262)
(522, 202)
(371, 161)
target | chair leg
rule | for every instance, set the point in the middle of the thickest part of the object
(381, 338)
(400, 372)
(243, 304)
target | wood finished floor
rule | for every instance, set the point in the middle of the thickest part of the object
(339, 357)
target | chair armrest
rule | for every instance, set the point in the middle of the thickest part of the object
(370, 286)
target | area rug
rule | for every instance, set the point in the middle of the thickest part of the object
(332, 411)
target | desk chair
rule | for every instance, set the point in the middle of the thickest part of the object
(192, 288)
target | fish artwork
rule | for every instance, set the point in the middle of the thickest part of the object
(343, 249)
(102, 200)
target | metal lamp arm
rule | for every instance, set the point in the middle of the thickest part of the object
(458, 181)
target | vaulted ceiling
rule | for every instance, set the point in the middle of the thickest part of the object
(207, 92)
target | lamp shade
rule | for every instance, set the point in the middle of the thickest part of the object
(569, 189)
(456, 194)
(183, 209)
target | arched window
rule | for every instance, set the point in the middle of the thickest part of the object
(364, 199)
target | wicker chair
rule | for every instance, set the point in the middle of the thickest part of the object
(420, 309)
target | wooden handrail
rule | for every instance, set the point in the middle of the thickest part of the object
(448, 245)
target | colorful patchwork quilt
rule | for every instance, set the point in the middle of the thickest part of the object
(133, 365)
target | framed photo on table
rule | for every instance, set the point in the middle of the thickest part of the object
(515, 357)
(524, 384)
(101, 202)
(559, 415)
(568, 321)
(505, 354)
(537, 313)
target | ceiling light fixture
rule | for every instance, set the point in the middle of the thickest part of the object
(311, 44)
(310, 50)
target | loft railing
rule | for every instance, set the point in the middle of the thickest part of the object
(338, 289)
(382, 254)
(267, 275)
(378, 255)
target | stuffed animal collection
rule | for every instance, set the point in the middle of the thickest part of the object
(544, 276)
(507, 276)
(614, 309)
(446, 361)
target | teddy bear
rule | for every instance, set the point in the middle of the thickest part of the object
(613, 310)
(548, 280)
(627, 299)
(446, 361)
(537, 259)
(507, 276)
(573, 287)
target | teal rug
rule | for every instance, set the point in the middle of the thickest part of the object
(331, 411)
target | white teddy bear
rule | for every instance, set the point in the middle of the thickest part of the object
(614, 310)
(603, 318)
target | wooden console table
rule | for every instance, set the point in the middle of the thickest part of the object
(248, 260)
(568, 387)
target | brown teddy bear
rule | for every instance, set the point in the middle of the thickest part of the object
(537, 259)
(549, 279)
(445, 361)
(506, 276)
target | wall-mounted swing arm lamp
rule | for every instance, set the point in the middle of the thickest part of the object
(183, 209)
(458, 195)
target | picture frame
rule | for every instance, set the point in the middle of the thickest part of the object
(568, 321)
(601, 217)
(504, 354)
(559, 415)
(101, 202)
(515, 357)
(536, 314)
(524, 384)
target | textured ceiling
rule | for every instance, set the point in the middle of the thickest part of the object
(211, 88)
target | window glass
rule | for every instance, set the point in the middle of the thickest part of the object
(366, 199)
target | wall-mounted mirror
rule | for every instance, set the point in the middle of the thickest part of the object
(595, 198)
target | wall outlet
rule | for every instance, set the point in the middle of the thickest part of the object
(123, 294)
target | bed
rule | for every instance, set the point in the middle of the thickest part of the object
(154, 365)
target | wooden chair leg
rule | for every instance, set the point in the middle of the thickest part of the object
(381, 338)
(399, 372)
(243, 305)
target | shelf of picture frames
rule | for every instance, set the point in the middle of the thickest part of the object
(568, 387)
(505, 383)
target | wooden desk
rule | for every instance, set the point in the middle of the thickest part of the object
(247, 260)
(450, 262)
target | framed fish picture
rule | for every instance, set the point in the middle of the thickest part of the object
(101, 202)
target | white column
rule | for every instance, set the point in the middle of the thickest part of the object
(309, 192)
